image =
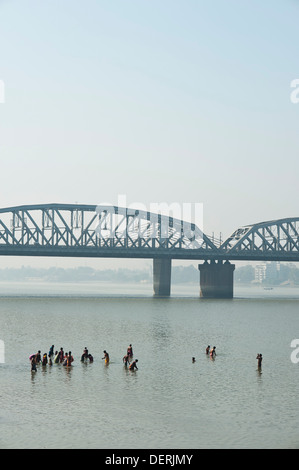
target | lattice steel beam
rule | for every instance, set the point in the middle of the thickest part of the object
(276, 237)
(72, 226)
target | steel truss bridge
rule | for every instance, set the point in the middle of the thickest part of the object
(75, 230)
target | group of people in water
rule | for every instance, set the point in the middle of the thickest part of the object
(128, 357)
(212, 353)
(209, 352)
(66, 358)
(59, 357)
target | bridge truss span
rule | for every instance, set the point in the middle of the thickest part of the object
(271, 240)
(110, 231)
(97, 231)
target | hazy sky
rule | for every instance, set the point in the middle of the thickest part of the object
(161, 100)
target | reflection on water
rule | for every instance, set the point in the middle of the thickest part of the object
(170, 401)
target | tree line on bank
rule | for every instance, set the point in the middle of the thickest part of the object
(179, 274)
(273, 275)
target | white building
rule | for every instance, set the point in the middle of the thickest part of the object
(260, 272)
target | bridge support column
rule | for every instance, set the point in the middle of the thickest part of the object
(162, 277)
(216, 280)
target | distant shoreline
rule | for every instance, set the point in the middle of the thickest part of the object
(186, 275)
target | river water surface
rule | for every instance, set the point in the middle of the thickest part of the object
(169, 402)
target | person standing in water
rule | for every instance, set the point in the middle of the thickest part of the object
(33, 364)
(61, 355)
(65, 359)
(213, 352)
(51, 351)
(106, 357)
(56, 357)
(69, 359)
(38, 357)
(85, 354)
(45, 360)
(208, 350)
(259, 360)
(130, 351)
(126, 360)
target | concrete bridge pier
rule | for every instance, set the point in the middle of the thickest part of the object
(162, 277)
(216, 280)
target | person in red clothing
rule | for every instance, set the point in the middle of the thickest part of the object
(130, 351)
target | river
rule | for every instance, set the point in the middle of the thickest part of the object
(170, 401)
